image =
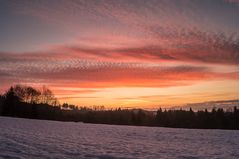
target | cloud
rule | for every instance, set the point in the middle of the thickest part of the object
(232, 1)
(125, 43)
(92, 73)
(3, 74)
(83, 97)
(169, 45)
(195, 45)
(168, 30)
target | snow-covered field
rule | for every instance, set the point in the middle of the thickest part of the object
(26, 138)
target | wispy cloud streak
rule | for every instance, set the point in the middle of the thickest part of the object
(124, 43)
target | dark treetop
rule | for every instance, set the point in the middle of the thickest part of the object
(27, 102)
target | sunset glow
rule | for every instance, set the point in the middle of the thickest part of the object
(129, 53)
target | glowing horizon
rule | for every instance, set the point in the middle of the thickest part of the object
(122, 53)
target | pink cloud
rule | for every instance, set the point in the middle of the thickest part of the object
(130, 41)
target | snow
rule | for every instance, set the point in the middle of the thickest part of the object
(26, 138)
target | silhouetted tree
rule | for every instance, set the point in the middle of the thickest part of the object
(28, 102)
(1, 103)
(10, 102)
(26, 93)
(47, 97)
(65, 106)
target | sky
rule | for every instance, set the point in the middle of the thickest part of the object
(122, 53)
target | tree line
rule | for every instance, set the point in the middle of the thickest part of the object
(28, 102)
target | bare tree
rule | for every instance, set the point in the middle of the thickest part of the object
(33, 95)
(26, 93)
(47, 97)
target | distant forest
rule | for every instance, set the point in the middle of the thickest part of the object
(28, 102)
